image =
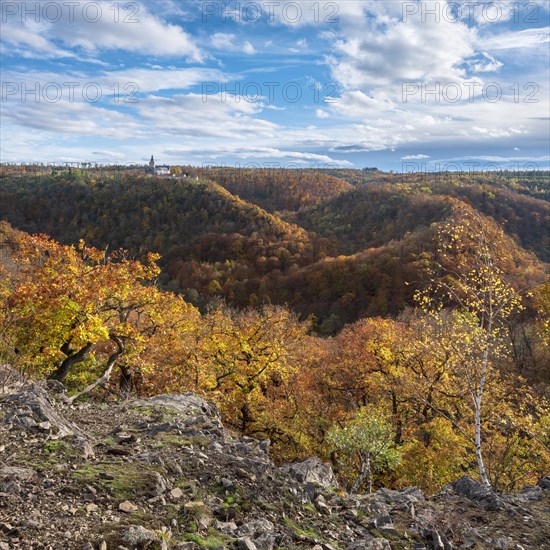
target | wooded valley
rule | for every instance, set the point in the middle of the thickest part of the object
(306, 304)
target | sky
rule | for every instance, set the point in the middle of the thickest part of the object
(405, 86)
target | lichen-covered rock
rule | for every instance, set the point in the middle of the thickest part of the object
(32, 408)
(256, 527)
(139, 537)
(534, 492)
(127, 507)
(186, 404)
(11, 380)
(266, 541)
(312, 470)
(246, 544)
(14, 473)
(371, 544)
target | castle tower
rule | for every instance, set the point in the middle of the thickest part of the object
(152, 162)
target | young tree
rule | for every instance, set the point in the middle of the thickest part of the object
(7, 344)
(368, 441)
(469, 276)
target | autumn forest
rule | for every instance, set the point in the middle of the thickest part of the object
(395, 325)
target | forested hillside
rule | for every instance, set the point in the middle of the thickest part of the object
(382, 280)
(535, 184)
(202, 232)
(374, 214)
(372, 316)
(345, 250)
(277, 189)
(173, 217)
(98, 322)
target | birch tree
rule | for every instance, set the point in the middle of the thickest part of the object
(469, 276)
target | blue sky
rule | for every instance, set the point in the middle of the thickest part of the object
(401, 85)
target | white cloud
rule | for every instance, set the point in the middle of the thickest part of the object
(154, 80)
(484, 63)
(27, 42)
(74, 118)
(253, 152)
(248, 48)
(216, 115)
(123, 86)
(227, 42)
(98, 29)
(223, 41)
(415, 157)
(431, 124)
(356, 103)
(385, 51)
(525, 39)
(495, 132)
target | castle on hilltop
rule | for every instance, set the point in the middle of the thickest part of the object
(160, 170)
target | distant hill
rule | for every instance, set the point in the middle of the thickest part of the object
(381, 280)
(374, 214)
(278, 189)
(534, 184)
(185, 221)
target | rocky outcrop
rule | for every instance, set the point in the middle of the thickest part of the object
(32, 409)
(167, 475)
(187, 405)
(477, 492)
(312, 470)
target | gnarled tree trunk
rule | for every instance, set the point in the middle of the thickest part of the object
(73, 357)
(105, 377)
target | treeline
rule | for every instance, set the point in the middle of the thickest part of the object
(382, 280)
(96, 321)
(535, 183)
(146, 213)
